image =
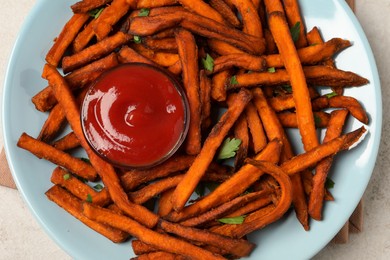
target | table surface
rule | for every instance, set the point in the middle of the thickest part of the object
(21, 236)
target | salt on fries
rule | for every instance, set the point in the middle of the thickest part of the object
(252, 59)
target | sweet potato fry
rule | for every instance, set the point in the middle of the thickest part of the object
(241, 132)
(110, 16)
(316, 75)
(219, 82)
(127, 55)
(317, 194)
(289, 119)
(78, 188)
(226, 12)
(84, 37)
(73, 205)
(310, 158)
(350, 103)
(140, 247)
(133, 178)
(205, 96)
(255, 125)
(105, 170)
(312, 54)
(164, 44)
(53, 124)
(45, 100)
(250, 18)
(237, 247)
(65, 38)
(293, 15)
(273, 130)
(254, 222)
(85, 6)
(225, 208)
(231, 188)
(203, 9)
(68, 142)
(94, 52)
(251, 207)
(159, 255)
(164, 59)
(185, 188)
(153, 238)
(242, 61)
(188, 52)
(223, 48)
(283, 39)
(48, 152)
(154, 3)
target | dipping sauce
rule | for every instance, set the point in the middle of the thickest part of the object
(135, 115)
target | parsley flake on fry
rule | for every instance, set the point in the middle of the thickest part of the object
(329, 184)
(98, 187)
(95, 13)
(208, 63)
(271, 70)
(229, 148)
(232, 220)
(331, 94)
(89, 198)
(66, 176)
(233, 80)
(295, 30)
(137, 39)
(144, 12)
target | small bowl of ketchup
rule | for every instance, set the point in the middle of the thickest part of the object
(135, 115)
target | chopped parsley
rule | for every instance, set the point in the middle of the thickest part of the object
(66, 176)
(229, 148)
(208, 62)
(331, 94)
(89, 198)
(98, 187)
(295, 30)
(144, 12)
(95, 13)
(317, 120)
(232, 220)
(329, 184)
(233, 80)
(271, 70)
(137, 39)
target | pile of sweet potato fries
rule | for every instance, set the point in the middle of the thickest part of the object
(255, 61)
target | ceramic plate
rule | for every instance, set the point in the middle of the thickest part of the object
(286, 238)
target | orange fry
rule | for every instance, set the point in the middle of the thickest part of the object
(69, 141)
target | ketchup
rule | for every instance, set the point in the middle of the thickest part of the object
(135, 115)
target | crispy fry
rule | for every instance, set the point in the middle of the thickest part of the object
(250, 18)
(226, 12)
(48, 152)
(144, 26)
(202, 8)
(274, 129)
(127, 55)
(317, 194)
(140, 247)
(293, 15)
(219, 81)
(110, 16)
(256, 128)
(241, 132)
(154, 3)
(231, 188)
(157, 240)
(205, 95)
(164, 59)
(239, 60)
(133, 178)
(45, 100)
(85, 6)
(223, 48)
(164, 203)
(251, 207)
(237, 247)
(312, 54)
(105, 170)
(310, 158)
(159, 255)
(65, 38)
(73, 206)
(316, 75)
(54, 123)
(346, 102)
(254, 222)
(185, 188)
(94, 52)
(68, 142)
(188, 52)
(289, 119)
(163, 44)
(229, 206)
(84, 37)
(283, 39)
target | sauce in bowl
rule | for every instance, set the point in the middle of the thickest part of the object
(135, 115)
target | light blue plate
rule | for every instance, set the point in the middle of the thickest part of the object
(284, 239)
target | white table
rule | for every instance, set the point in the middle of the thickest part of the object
(21, 237)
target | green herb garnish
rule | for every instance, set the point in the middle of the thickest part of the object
(233, 220)
(66, 176)
(95, 13)
(98, 186)
(233, 80)
(287, 88)
(208, 62)
(331, 94)
(295, 30)
(89, 198)
(137, 39)
(271, 70)
(229, 148)
(329, 184)
(317, 120)
(144, 12)
(85, 160)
